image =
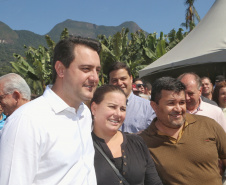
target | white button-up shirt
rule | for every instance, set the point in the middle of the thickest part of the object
(211, 111)
(46, 142)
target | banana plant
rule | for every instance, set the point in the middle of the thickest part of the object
(36, 67)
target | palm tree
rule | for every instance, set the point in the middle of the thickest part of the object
(191, 15)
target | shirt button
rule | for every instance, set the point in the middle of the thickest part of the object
(120, 182)
(125, 163)
(122, 150)
(124, 173)
(124, 156)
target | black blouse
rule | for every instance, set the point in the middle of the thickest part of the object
(138, 167)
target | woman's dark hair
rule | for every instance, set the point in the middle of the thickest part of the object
(64, 50)
(217, 91)
(102, 91)
(165, 83)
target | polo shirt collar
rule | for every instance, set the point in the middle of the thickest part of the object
(152, 129)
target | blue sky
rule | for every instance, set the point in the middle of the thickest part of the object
(40, 16)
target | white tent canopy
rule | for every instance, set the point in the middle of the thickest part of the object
(205, 44)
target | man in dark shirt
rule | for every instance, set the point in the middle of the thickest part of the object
(185, 147)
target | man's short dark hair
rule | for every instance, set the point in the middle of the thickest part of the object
(117, 66)
(205, 77)
(138, 79)
(165, 83)
(64, 50)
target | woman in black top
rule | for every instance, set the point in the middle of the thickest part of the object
(128, 152)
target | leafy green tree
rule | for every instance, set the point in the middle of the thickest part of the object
(36, 67)
(138, 52)
(175, 37)
(114, 48)
(141, 50)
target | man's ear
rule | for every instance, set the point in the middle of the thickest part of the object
(93, 108)
(60, 68)
(131, 78)
(154, 105)
(200, 91)
(211, 86)
(16, 95)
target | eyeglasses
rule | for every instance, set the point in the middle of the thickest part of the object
(3, 96)
(139, 85)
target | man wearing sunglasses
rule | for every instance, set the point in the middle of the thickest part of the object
(144, 88)
(140, 85)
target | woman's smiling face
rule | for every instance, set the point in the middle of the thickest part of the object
(110, 113)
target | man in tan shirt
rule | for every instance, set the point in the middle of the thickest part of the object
(185, 147)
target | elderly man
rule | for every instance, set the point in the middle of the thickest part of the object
(48, 140)
(14, 92)
(194, 103)
(185, 147)
(139, 113)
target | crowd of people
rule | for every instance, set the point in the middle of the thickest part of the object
(132, 132)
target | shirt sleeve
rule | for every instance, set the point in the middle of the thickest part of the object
(151, 114)
(18, 152)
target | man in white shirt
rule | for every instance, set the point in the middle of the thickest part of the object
(48, 140)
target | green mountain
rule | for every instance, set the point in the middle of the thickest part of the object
(7, 35)
(13, 41)
(89, 30)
